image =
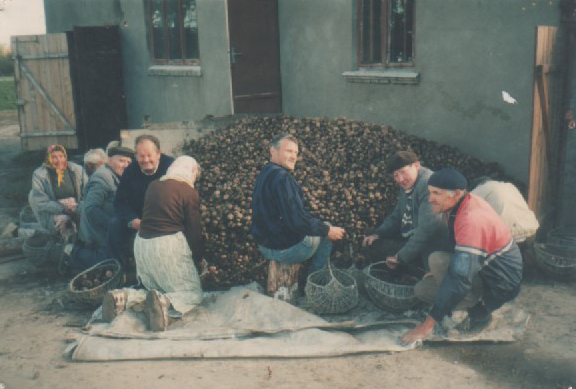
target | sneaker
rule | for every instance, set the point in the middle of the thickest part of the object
(157, 310)
(113, 304)
(474, 324)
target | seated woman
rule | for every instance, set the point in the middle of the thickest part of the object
(56, 192)
(166, 248)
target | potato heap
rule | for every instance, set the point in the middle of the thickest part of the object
(342, 171)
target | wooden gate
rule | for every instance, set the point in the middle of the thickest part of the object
(544, 153)
(44, 91)
(255, 56)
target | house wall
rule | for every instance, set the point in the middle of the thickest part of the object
(466, 52)
(169, 97)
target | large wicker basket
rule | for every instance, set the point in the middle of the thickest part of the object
(94, 295)
(563, 236)
(557, 261)
(42, 249)
(388, 292)
(331, 290)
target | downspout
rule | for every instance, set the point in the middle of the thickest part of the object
(568, 28)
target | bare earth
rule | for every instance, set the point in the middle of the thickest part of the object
(37, 322)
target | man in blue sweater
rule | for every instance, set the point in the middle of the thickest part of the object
(284, 230)
(129, 200)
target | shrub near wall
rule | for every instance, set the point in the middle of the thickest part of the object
(7, 94)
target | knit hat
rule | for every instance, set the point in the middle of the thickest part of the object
(400, 159)
(448, 179)
(119, 150)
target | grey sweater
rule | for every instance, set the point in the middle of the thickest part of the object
(429, 227)
(98, 206)
(42, 199)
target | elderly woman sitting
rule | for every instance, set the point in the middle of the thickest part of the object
(170, 236)
(56, 192)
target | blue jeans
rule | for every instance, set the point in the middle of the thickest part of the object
(315, 247)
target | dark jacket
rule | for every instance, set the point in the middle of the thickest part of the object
(279, 218)
(429, 227)
(129, 200)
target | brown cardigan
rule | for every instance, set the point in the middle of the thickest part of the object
(171, 206)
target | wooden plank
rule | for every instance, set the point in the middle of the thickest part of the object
(47, 94)
(540, 159)
(66, 84)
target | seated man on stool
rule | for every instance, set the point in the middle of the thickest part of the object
(484, 253)
(284, 230)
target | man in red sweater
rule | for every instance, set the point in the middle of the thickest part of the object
(483, 249)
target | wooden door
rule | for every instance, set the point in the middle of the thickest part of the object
(255, 56)
(98, 84)
(44, 91)
(544, 156)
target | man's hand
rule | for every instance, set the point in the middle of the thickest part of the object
(135, 224)
(392, 262)
(336, 233)
(368, 240)
(420, 332)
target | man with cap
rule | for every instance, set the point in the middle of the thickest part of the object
(484, 254)
(129, 201)
(97, 209)
(412, 231)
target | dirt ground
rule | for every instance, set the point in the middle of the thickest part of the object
(37, 322)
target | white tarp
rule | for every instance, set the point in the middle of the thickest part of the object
(245, 323)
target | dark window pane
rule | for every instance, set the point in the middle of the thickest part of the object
(158, 32)
(371, 32)
(377, 32)
(190, 24)
(366, 57)
(401, 31)
(174, 24)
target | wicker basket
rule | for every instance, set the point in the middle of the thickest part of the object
(563, 236)
(556, 260)
(388, 294)
(42, 249)
(94, 295)
(331, 290)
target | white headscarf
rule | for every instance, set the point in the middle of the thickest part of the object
(184, 169)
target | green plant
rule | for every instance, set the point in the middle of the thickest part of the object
(7, 95)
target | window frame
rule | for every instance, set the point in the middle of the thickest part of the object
(168, 47)
(384, 38)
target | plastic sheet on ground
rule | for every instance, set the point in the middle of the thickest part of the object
(244, 323)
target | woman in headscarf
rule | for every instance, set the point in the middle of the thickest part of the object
(167, 249)
(56, 192)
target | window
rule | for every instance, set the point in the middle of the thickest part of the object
(385, 33)
(173, 31)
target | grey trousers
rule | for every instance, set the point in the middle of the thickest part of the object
(425, 290)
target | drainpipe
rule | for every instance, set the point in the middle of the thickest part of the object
(568, 108)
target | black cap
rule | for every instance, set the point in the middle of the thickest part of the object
(119, 150)
(400, 159)
(448, 179)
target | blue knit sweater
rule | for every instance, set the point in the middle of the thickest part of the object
(279, 219)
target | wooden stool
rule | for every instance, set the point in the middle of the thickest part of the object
(281, 274)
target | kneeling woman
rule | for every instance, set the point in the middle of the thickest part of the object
(169, 240)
